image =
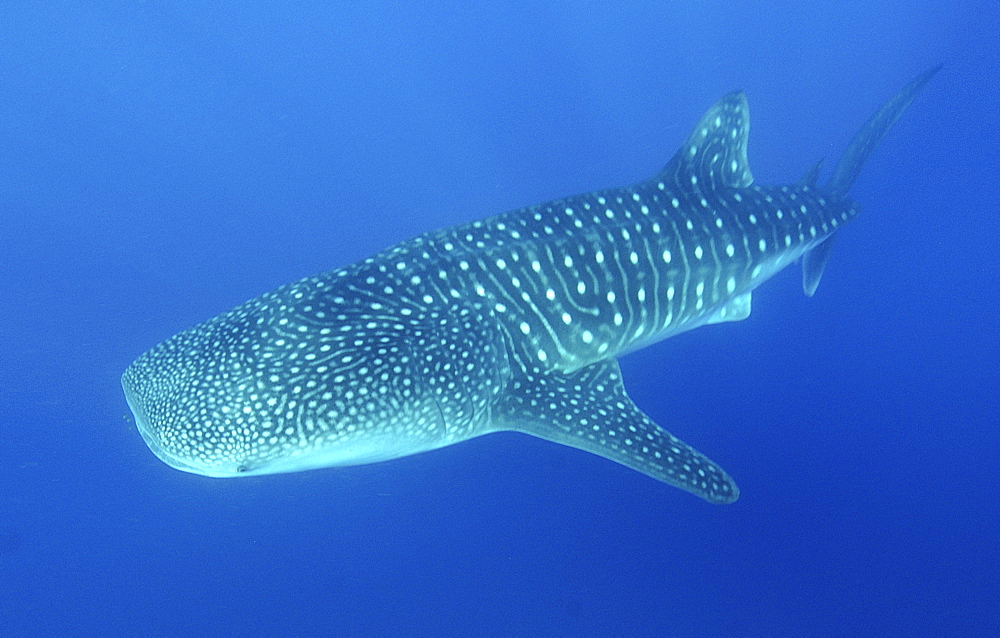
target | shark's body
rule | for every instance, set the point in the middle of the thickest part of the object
(510, 323)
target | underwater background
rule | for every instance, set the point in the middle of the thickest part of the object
(161, 162)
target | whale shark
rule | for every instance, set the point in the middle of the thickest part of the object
(511, 323)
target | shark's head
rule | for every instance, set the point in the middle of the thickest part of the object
(199, 400)
(298, 379)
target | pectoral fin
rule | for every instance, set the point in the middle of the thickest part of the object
(590, 410)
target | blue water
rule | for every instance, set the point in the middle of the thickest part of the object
(164, 161)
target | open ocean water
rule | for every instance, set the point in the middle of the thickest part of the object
(164, 161)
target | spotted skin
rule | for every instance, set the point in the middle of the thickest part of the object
(510, 323)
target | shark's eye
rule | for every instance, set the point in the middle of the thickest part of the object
(242, 468)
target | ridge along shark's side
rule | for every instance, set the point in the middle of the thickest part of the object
(510, 323)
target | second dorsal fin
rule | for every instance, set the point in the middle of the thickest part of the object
(809, 179)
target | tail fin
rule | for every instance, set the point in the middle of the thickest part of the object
(865, 140)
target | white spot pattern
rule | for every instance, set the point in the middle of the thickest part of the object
(451, 334)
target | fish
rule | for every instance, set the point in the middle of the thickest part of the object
(511, 323)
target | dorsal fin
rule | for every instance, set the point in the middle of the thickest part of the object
(716, 151)
(809, 179)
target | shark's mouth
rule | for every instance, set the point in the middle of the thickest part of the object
(152, 439)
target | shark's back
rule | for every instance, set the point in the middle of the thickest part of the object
(586, 278)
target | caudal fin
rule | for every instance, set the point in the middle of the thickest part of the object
(866, 139)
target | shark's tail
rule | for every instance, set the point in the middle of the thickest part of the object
(866, 139)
